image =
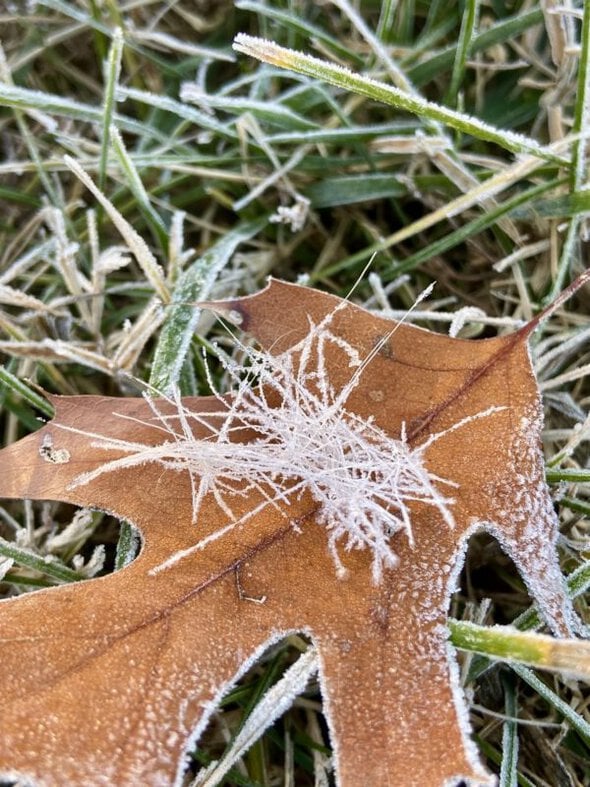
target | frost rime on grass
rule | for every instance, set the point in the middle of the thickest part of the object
(307, 441)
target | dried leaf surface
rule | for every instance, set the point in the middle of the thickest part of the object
(110, 681)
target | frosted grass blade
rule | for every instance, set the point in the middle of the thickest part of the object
(113, 71)
(193, 285)
(269, 52)
(508, 773)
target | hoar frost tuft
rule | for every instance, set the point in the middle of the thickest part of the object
(307, 442)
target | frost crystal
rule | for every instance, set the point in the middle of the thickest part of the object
(362, 480)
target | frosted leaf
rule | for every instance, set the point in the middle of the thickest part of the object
(153, 651)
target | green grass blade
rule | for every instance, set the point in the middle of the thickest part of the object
(12, 383)
(495, 756)
(581, 126)
(464, 47)
(575, 720)
(386, 20)
(133, 180)
(25, 557)
(580, 476)
(350, 189)
(113, 71)
(127, 545)
(508, 771)
(23, 98)
(575, 505)
(579, 175)
(313, 67)
(506, 643)
(193, 285)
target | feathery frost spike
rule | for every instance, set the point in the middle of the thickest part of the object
(362, 479)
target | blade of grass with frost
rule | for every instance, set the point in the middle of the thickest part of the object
(452, 167)
(272, 53)
(566, 377)
(23, 126)
(49, 350)
(12, 383)
(78, 14)
(137, 189)
(581, 125)
(145, 259)
(380, 52)
(200, 119)
(140, 332)
(578, 583)
(505, 643)
(127, 546)
(508, 772)
(559, 207)
(464, 48)
(23, 98)
(575, 505)
(271, 111)
(271, 706)
(25, 557)
(579, 174)
(66, 261)
(349, 134)
(576, 721)
(19, 299)
(494, 756)
(350, 189)
(113, 71)
(193, 285)
(300, 24)
(180, 47)
(580, 476)
(185, 164)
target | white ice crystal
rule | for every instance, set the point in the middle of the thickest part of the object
(363, 481)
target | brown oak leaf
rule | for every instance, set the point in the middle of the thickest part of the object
(111, 681)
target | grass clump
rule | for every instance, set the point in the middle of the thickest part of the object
(147, 164)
